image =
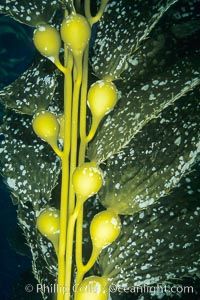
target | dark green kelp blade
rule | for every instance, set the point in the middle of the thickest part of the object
(142, 102)
(165, 45)
(28, 165)
(30, 170)
(183, 18)
(32, 91)
(44, 262)
(160, 244)
(155, 160)
(29, 12)
(163, 67)
(124, 25)
(149, 59)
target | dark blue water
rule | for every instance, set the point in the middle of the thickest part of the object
(16, 53)
(16, 49)
(12, 264)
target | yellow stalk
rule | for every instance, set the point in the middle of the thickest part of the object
(95, 19)
(72, 209)
(87, 10)
(65, 177)
(85, 268)
(79, 238)
(69, 248)
(69, 212)
(93, 129)
(74, 130)
(58, 64)
(83, 109)
(57, 150)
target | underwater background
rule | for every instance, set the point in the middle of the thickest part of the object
(16, 53)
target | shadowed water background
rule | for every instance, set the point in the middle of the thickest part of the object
(16, 53)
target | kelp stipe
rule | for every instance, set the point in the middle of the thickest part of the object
(101, 145)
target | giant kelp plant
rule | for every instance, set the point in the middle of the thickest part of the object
(100, 145)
